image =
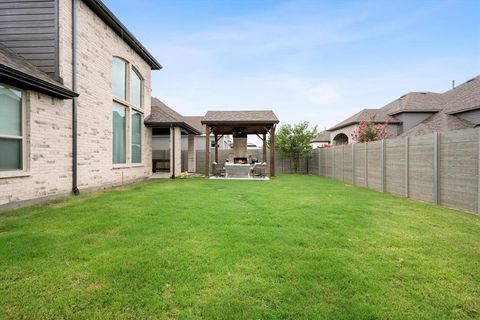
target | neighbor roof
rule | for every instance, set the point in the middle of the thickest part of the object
(439, 122)
(17, 71)
(415, 102)
(247, 117)
(113, 22)
(162, 116)
(463, 98)
(323, 136)
(366, 114)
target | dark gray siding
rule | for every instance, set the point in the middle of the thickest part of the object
(473, 116)
(411, 119)
(30, 29)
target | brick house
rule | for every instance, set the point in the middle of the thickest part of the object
(74, 93)
(417, 113)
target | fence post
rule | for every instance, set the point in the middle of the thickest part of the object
(383, 165)
(478, 170)
(333, 163)
(407, 168)
(319, 157)
(435, 168)
(353, 163)
(366, 164)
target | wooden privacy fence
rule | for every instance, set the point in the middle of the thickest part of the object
(437, 168)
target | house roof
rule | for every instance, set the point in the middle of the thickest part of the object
(323, 136)
(463, 98)
(366, 114)
(113, 22)
(162, 116)
(196, 122)
(247, 117)
(17, 71)
(415, 102)
(439, 122)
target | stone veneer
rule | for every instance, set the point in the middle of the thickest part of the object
(49, 140)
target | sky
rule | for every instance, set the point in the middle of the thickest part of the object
(316, 61)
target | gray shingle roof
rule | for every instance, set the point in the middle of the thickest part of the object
(439, 122)
(415, 102)
(163, 116)
(196, 122)
(323, 136)
(20, 72)
(464, 97)
(380, 117)
(257, 116)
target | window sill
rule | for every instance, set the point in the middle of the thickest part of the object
(14, 174)
(128, 165)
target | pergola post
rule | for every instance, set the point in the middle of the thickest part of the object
(207, 152)
(192, 154)
(216, 148)
(272, 152)
(264, 155)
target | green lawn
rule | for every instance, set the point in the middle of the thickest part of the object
(298, 247)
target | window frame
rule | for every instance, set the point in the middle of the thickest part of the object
(130, 110)
(23, 138)
(126, 78)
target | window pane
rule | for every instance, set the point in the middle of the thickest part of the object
(10, 111)
(10, 154)
(136, 138)
(136, 88)
(119, 78)
(119, 136)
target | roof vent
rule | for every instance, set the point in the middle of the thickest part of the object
(470, 80)
(402, 96)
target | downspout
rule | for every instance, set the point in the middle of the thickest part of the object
(74, 100)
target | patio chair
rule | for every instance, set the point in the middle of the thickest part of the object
(259, 169)
(218, 169)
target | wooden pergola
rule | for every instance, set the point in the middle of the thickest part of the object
(260, 123)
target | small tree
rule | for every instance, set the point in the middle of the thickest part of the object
(368, 130)
(294, 141)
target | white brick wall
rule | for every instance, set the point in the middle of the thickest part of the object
(50, 124)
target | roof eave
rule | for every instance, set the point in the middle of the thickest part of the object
(183, 125)
(30, 82)
(239, 122)
(111, 20)
(414, 111)
(463, 110)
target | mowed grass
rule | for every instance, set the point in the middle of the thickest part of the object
(298, 247)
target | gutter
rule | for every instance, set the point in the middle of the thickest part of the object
(75, 190)
(30, 82)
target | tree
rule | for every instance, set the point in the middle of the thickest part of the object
(368, 130)
(294, 141)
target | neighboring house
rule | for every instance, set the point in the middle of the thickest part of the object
(322, 139)
(51, 141)
(417, 113)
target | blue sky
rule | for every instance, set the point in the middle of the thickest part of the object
(319, 61)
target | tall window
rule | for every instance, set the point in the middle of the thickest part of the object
(136, 138)
(119, 133)
(11, 136)
(136, 89)
(119, 83)
(127, 113)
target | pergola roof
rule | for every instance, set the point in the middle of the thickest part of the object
(163, 116)
(228, 117)
(252, 122)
